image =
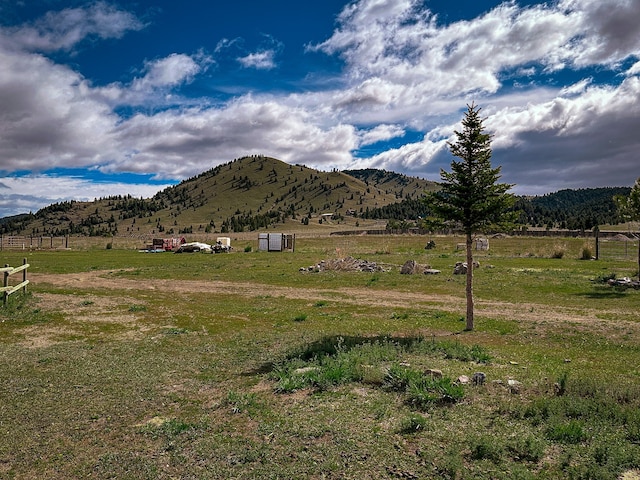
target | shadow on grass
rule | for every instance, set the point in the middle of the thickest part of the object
(332, 344)
(603, 293)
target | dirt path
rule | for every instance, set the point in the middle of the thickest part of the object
(523, 312)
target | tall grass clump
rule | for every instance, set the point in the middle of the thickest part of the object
(586, 254)
(427, 392)
(377, 362)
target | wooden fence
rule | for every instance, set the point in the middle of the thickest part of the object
(9, 289)
(25, 242)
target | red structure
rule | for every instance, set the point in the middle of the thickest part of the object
(167, 244)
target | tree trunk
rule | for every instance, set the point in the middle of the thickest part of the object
(469, 290)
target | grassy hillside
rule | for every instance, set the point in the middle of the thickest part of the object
(243, 195)
(258, 192)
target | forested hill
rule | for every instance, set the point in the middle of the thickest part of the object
(565, 209)
(245, 194)
(572, 209)
(385, 180)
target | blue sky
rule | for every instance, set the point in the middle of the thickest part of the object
(112, 97)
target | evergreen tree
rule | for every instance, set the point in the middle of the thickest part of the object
(629, 208)
(470, 196)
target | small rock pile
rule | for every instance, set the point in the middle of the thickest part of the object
(625, 282)
(411, 267)
(461, 267)
(347, 264)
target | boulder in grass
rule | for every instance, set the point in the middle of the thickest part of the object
(412, 267)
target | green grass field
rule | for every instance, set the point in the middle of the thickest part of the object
(128, 365)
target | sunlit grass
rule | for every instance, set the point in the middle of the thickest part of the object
(166, 382)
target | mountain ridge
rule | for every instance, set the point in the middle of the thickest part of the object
(255, 192)
(247, 193)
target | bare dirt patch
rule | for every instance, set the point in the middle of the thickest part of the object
(520, 312)
(82, 313)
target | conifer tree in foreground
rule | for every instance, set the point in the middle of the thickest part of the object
(629, 208)
(470, 197)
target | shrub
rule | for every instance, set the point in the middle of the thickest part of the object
(587, 254)
(248, 249)
(561, 385)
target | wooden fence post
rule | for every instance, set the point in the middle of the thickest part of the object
(24, 276)
(6, 284)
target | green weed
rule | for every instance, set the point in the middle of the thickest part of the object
(427, 392)
(487, 447)
(562, 431)
(240, 402)
(413, 423)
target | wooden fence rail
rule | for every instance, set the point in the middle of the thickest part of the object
(7, 289)
(30, 242)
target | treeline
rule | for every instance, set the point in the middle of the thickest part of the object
(15, 223)
(378, 176)
(247, 222)
(580, 209)
(131, 207)
(408, 209)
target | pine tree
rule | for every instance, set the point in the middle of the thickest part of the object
(470, 196)
(629, 208)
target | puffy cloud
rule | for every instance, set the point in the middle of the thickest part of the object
(168, 72)
(64, 29)
(263, 60)
(181, 145)
(29, 194)
(605, 33)
(397, 45)
(568, 142)
(48, 117)
(161, 77)
(381, 133)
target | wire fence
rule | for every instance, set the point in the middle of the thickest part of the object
(619, 247)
